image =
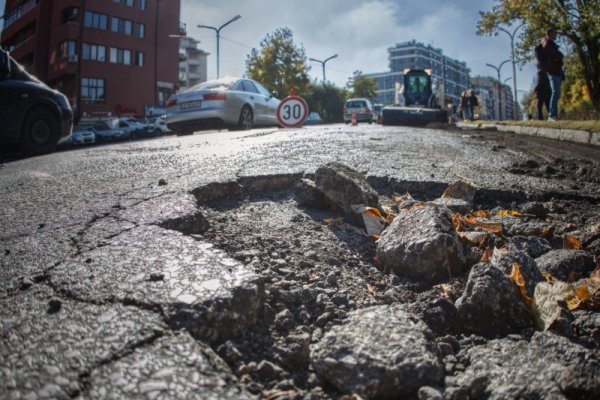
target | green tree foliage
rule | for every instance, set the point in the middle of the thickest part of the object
(362, 86)
(575, 101)
(279, 65)
(328, 100)
(577, 23)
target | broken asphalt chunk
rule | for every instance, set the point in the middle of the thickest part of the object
(567, 265)
(421, 243)
(380, 352)
(344, 186)
(491, 304)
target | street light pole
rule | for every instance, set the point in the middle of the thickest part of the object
(323, 64)
(218, 31)
(512, 57)
(499, 86)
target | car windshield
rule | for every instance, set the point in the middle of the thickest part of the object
(356, 104)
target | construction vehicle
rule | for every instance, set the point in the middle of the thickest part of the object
(415, 104)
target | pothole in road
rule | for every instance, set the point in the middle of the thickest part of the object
(316, 271)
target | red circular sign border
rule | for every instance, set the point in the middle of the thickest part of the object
(302, 121)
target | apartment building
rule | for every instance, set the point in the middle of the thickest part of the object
(109, 57)
(192, 63)
(498, 102)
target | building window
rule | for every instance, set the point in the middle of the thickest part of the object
(92, 90)
(94, 52)
(139, 58)
(69, 14)
(142, 4)
(127, 57)
(95, 20)
(120, 56)
(141, 30)
(67, 48)
(126, 2)
(120, 25)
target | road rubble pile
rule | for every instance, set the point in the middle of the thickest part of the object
(312, 286)
(453, 299)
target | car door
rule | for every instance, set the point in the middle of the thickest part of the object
(14, 95)
(271, 104)
(257, 101)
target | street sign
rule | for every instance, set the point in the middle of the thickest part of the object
(292, 112)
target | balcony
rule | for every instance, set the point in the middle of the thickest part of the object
(19, 12)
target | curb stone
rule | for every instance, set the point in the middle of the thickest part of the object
(565, 135)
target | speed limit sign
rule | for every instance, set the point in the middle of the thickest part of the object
(292, 112)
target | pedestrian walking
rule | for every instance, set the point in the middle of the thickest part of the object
(554, 69)
(472, 103)
(464, 105)
(542, 94)
(542, 87)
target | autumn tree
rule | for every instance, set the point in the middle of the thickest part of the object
(576, 22)
(362, 86)
(279, 65)
(328, 100)
(575, 99)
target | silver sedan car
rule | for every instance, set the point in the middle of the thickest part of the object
(234, 103)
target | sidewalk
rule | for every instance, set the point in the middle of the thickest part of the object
(567, 135)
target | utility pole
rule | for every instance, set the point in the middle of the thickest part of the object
(499, 86)
(323, 64)
(512, 57)
(218, 31)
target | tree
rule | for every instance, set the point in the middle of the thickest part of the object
(576, 21)
(362, 86)
(279, 65)
(328, 100)
(575, 100)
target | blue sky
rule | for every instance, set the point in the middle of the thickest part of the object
(358, 31)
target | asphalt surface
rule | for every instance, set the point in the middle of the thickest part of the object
(103, 296)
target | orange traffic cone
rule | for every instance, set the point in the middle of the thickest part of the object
(354, 121)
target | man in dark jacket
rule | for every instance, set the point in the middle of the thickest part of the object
(554, 68)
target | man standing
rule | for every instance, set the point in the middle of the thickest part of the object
(554, 68)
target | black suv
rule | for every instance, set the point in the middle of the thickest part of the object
(32, 115)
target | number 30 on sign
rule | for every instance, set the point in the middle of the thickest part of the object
(292, 112)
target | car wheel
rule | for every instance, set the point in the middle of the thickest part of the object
(246, 119)
(40, 132)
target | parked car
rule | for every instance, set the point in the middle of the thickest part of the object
(313, 118)
(83, 136)
(133, 128)
(234, 103)
(377, 112)
(32, 115)
(106, 132)
(157, 126)
(361, 107)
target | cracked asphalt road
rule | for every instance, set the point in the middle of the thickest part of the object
(99, 297)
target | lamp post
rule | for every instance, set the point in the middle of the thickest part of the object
(512, 57)
(498, 68)
(218, 31)
(323, 63)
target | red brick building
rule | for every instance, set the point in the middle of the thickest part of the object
(109, 57)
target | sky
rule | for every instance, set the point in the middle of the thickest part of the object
(359, 31)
